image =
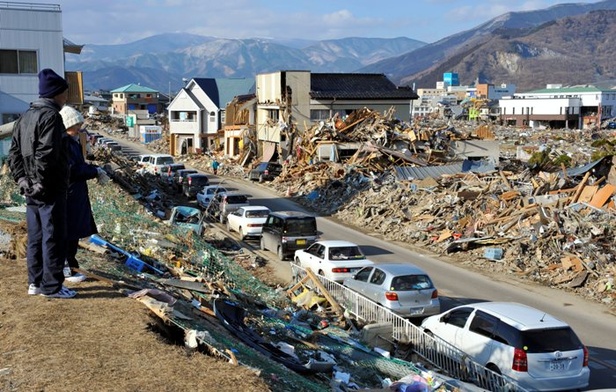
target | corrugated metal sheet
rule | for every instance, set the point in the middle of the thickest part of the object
(407, 173)
(581, 170)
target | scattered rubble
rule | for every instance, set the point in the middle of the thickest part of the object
(545, 205)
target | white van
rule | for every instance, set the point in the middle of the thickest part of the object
(153, 163)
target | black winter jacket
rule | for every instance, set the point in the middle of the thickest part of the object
(37, 151)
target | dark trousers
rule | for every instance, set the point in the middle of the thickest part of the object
(46, 242)
(71, 252)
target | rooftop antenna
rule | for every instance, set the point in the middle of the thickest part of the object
(542, 317)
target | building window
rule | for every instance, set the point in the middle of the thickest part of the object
(272, 114)
(18, 62)
(319, 114)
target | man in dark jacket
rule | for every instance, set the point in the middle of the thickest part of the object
(39, 165)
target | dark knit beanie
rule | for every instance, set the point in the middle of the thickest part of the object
(51, 84)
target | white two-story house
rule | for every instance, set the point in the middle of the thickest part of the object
(197, 113)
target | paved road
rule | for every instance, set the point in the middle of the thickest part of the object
(592, 322)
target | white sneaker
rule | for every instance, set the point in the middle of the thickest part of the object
(67, 271)
(33, 289)
(75, 278)
(63, 293)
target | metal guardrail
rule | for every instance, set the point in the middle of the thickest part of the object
(440, 354)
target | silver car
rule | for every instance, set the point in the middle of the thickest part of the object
(403, 288)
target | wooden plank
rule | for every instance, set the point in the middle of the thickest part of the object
(580, 187)
(336, 307)
(587, 193)
(602, 195)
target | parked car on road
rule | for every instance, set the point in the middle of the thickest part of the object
(205, 195)
(539, 351)
(178, 177)
(169, 170)
(193, 183)
(284, 232)
(336, 260)
(247, 221)
(265, 171)
(153, 163)
(400, 287)
(224, 203)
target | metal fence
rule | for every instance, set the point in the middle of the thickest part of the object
(440, 354)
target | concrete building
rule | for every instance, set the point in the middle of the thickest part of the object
(491, 91)
(30, 40)
(559, 107)
(133, 97)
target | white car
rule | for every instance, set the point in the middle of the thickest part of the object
(532, 347)
(336, 260)
(205, 195)
(248, 221)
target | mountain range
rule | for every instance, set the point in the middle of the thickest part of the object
(566, 44)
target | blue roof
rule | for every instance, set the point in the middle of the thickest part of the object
(134, 88)
(222, 90)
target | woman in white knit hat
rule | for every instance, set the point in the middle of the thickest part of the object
(80, 221)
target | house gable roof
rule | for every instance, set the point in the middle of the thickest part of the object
(134, 88)
(222, 90)
(356, 86)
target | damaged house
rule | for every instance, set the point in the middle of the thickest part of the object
(290, 102)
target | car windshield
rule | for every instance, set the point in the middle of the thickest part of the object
(550, 340)
(345, 253)
(411, 282)
(257, 214)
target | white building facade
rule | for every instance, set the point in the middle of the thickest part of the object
(559, 107)
(30, 40)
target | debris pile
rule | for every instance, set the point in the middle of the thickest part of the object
(536, 213)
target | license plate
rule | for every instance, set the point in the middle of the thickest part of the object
(415, 311)
(300, 242)
(556, 366)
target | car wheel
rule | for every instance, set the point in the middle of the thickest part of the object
(489, 380)
(242, 236)
(280, 253)
(262, 244)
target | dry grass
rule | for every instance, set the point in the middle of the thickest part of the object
(99, 341)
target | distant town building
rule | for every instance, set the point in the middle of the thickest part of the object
(559, 107)
(134, 97)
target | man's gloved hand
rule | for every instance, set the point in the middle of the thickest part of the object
(102, 177)
(35, 190)
(24, 185)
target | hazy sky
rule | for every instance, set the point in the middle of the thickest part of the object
(114, 22)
